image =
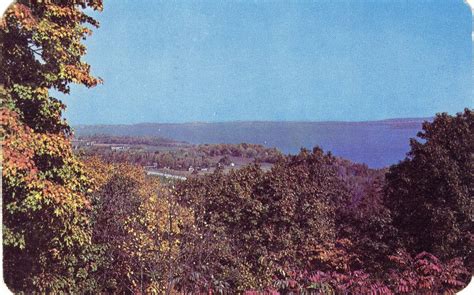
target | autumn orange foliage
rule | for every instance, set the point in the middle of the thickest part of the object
(46, 207)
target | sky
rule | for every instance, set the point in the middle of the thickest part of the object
(214, 61)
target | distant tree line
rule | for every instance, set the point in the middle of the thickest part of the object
(245, 150)
(179, 158)
(132, 140)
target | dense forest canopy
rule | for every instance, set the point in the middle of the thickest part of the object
(89, 222)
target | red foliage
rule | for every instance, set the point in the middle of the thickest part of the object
(422, 274)
(426, 274)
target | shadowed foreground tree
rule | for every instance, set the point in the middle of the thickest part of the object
(431, 192)
(366, 221)
(45, 203)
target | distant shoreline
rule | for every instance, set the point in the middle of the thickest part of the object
(390, 120)
(377, 143)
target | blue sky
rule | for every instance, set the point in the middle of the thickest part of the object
(186, 61)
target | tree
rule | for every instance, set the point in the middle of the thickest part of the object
(366, 221)
(431, 192)
(268, 221)
(45, 203)
(138, 229)
(225, 161)
(226, 213)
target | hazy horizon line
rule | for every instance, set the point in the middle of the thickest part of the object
(256, 121)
